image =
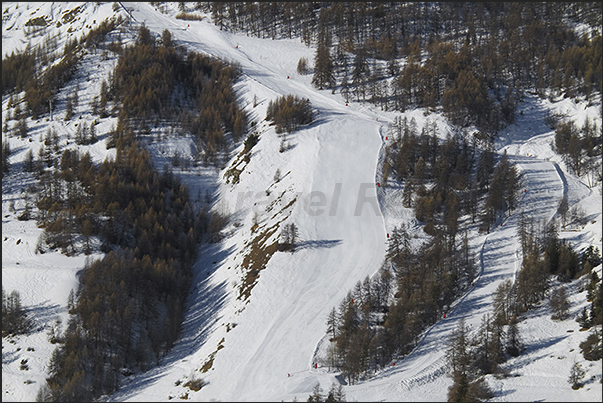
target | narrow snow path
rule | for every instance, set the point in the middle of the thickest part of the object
(421, 376)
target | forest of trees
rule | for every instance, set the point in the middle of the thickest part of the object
(443, 180)
(474, 60)
(129, 304)
(128, 309)
(472, 355)
(17, 70)
(33, 72)
(156, 80)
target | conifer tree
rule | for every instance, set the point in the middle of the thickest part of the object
(317, 394)
(5, 157)
(458, 356)
(302, 66)
(577, 374)
(503, 302)
(559, 304)
(14, 317)
(323, 63)
(360, 74)
(513, 343)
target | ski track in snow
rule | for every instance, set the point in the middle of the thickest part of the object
(281, 328)
(423, 366)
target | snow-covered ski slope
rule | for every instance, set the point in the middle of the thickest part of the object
(331, 172)
(328, 189)
(280, 328)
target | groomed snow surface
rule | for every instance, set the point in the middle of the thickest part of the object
(328, 189)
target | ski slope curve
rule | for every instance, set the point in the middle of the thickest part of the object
(422, 375)
(332, 167)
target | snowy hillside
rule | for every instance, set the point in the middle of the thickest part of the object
(256, 339)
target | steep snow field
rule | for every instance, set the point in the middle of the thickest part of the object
(327, 187)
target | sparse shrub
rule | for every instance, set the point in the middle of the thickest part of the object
(54, 332)
(36, 22)
(251, 141)
(217, 222)
(195, 384)
(189, 16)
(479, 391)
(232, 176)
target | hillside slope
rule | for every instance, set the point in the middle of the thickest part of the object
(256, 339)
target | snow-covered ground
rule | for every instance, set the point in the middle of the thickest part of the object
(327, 187)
